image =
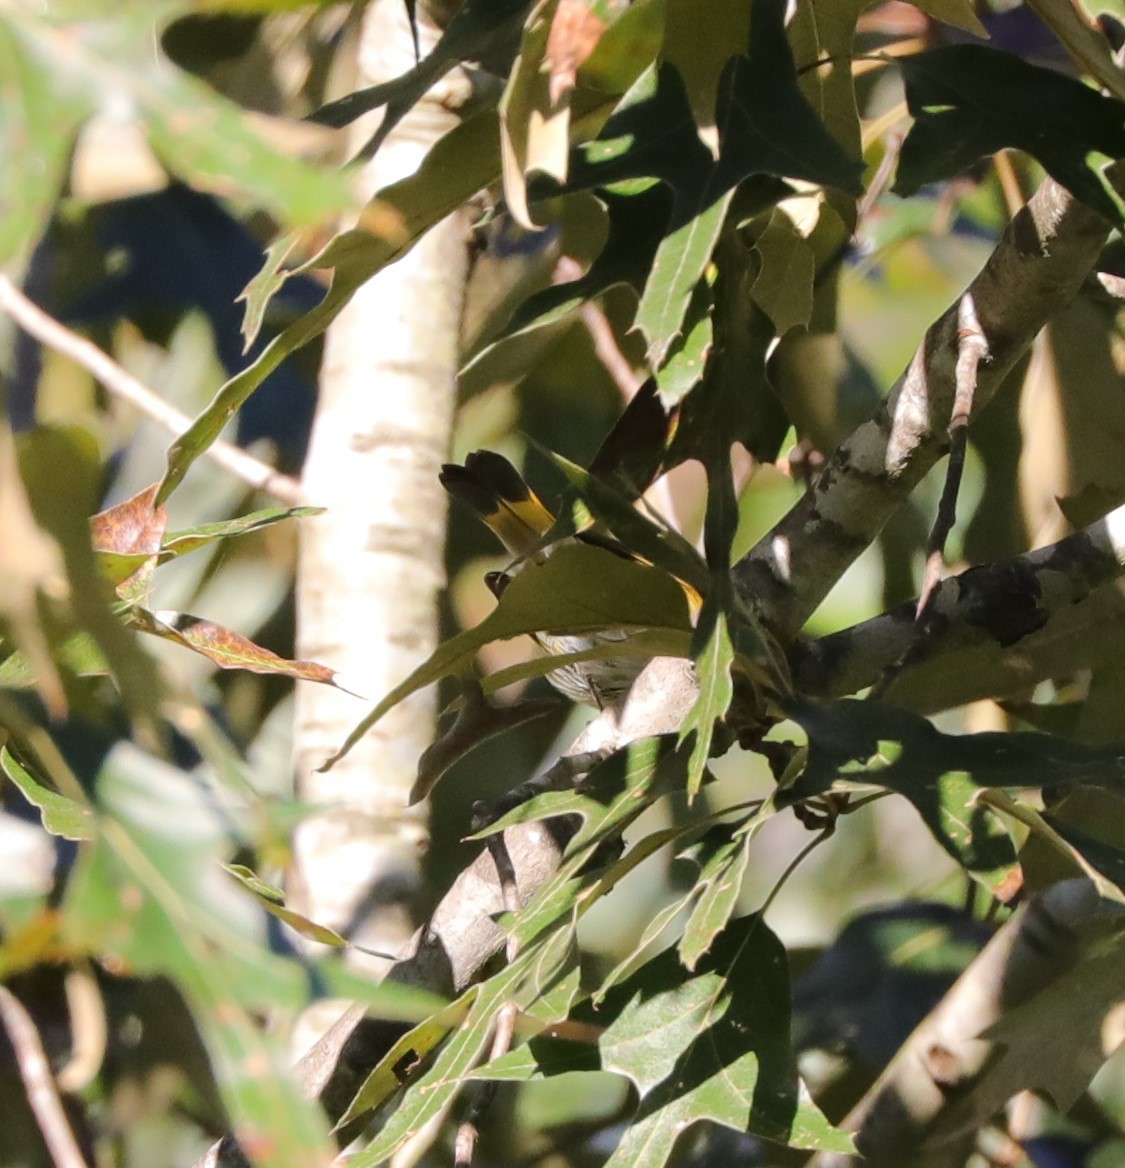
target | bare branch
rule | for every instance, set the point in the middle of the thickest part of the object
(1048, 249)
(121, 383)
(38, 1082)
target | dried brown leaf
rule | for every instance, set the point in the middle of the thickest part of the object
(228, 649)
(575, 32)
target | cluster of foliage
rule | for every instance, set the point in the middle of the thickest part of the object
(707, 163)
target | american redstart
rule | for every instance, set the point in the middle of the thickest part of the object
(496, 492)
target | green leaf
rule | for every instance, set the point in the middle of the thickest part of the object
(1050, 1043)
(178, 543)
(461, 163)
(688, 353)
(784, 286)
(471, 34)
(406, 1056)
(272, 899)
(577, 589)
(532, 975)
(66, 69)
(78, 655)
(41, 113)
(611, 796)
(766, 124)
(699, 39)
(144, 897)
(714, 655)
(735, 401)
(722, 855)
(59, 814)
(969, 101)
(680, 260)
(663, 547)
(539, 1058)
(48, 456)
(636, 224)
(710, 1046)
(534, 133)
(862, 743)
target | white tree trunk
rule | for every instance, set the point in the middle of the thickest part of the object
(372, 566)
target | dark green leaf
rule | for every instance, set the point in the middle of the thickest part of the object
(862, 743)
(700, 37)
(1075, 25)
(636, 224)
(969, 101)
(665, 548)
(711, 1046)
(473, 31)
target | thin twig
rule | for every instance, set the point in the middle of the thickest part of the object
(505, 1025)
(469, 1130)
(606, 348)
(972, 349)
(40, 1086)
(121, 383)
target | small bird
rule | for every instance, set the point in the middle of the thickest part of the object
(496, 492)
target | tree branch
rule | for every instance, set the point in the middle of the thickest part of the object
(35, 1072)
(994, 630)
(121, 383)
(1042, 258)
(945, 1081)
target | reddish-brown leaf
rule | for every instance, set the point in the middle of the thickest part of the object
(127, 539)
(228, 649)
(574, 35)
(130, 527)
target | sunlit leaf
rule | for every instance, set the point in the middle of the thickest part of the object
(535, 973)
(66, 69)
(534, 132)
(178, 543)
(226, 648)
(60, 814)
(272, 899)
(722, 856)
(146, 899)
